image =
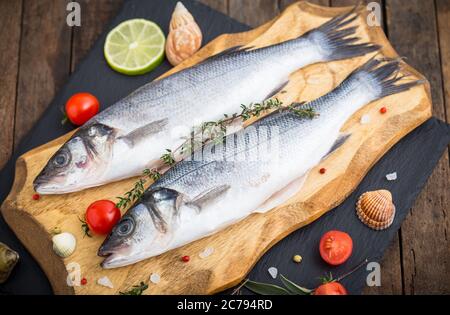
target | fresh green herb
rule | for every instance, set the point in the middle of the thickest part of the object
(168, 158)
(302, 111)
(136, 289)
(153, 174)
(137, 191)
(85, 227)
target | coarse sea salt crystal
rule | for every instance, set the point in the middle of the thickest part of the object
(104, 281)
(208, 251)
(365, 119)
(273, 272)
(155, 278)
(391, 176)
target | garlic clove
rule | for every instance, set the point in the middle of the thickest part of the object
(64, 244)
(185, 36)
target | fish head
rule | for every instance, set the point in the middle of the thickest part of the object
(144, 231)
(81, 159)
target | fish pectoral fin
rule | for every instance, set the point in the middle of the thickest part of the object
(338, 143)
(208, 196)
(142, 132)
(276, 90)
(282, 195)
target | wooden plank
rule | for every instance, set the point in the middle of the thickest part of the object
(95, 14)
(391, 262)
(443, 18)
(343, 3)
(424, 233)
(10, 20)
(285, 3)
(255, 12)
(44, 60)
(221, 5)
(391, 279)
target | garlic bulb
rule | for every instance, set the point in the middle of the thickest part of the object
(185, 36)
(8, 259)
(64, 244)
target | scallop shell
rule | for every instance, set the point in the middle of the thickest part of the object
(64, 244)
(376, 209)
(185, 36)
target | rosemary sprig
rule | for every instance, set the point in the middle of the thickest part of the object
(136, 289)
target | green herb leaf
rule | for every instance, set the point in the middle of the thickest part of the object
(293, 287)
(136, 289)
(265, 288)
(85, 227)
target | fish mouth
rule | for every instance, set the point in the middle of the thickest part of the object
(113, 257)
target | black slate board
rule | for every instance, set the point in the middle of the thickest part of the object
(93, 75)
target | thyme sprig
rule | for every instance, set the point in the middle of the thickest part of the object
(210, 131)
(137, 191)
(136, 289)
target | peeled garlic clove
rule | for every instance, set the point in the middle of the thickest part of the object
(64, 244)
(8, 259)
(185, 36)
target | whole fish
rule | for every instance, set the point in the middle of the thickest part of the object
(253, 170)
(132, 134)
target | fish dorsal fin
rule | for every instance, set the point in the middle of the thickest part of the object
(142, 132)
(282, 195)
(337, 144)
(276, 90)
(225, 52)
(208, 196)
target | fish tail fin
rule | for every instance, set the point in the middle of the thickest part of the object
(382, 76)
(336, 41)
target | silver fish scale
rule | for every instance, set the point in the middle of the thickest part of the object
(186, 93)
(218, 164)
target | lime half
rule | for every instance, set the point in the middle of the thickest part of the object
(135, 47)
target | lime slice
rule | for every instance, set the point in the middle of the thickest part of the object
(135, 47)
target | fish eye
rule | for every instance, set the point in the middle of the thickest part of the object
(125, 227)
(61, 160)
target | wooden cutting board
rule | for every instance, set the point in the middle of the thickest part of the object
(237, 248)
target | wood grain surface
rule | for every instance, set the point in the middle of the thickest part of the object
(15, 15)
(32, 220)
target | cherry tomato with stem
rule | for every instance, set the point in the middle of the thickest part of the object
(331, 288)
(81, 107)
(101, 216)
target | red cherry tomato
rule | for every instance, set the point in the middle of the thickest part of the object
(331, 288)
(336, 247)
(81, 107)
(101, 216)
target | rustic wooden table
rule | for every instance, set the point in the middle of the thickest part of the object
(38, 51)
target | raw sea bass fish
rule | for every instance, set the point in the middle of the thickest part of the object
(253, 170)
(132, 134)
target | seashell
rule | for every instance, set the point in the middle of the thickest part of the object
(185, 36)
(8, 259)
(64, 244)
(376, 209)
